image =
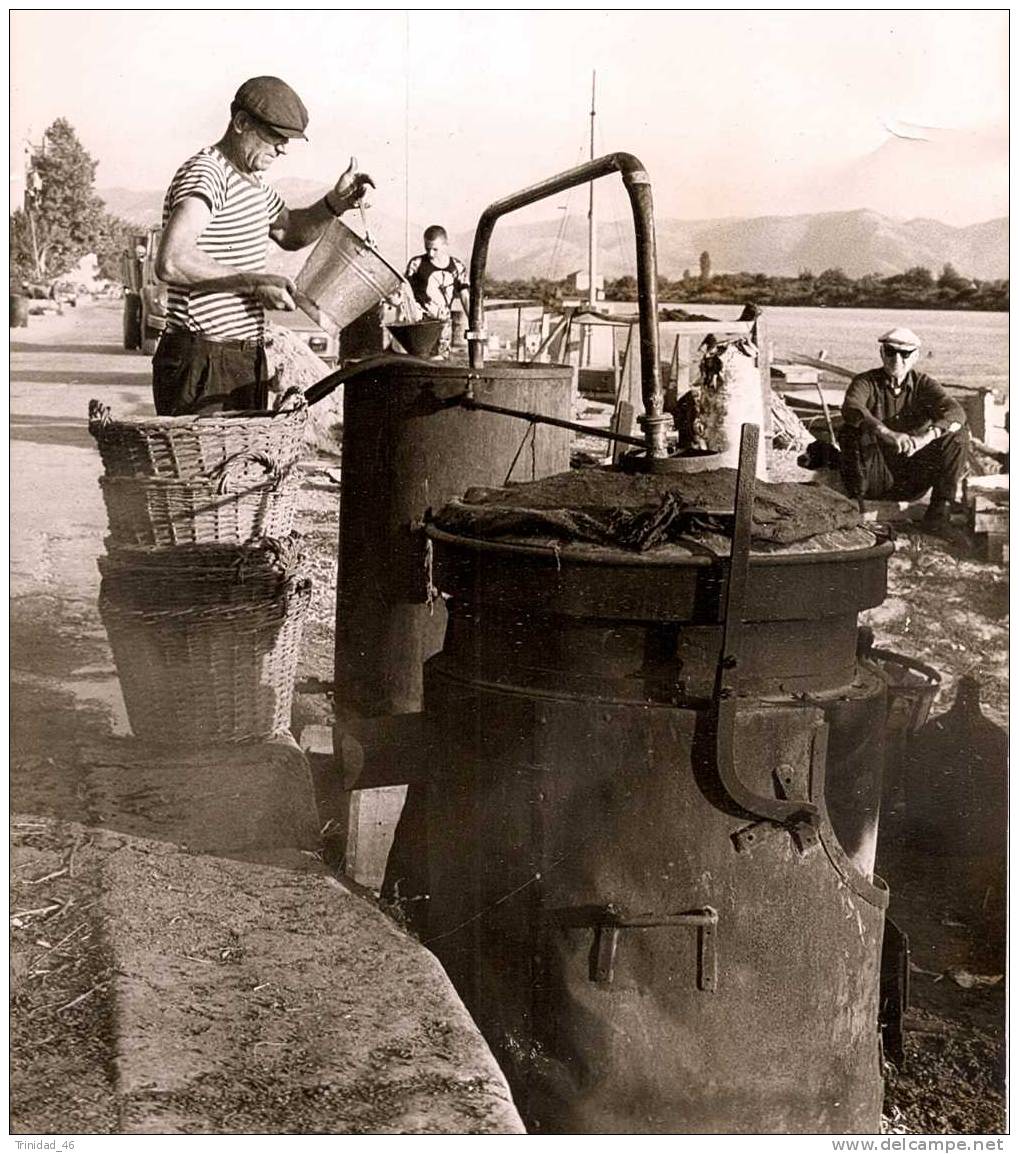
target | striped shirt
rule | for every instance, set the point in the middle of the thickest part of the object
(238, 234)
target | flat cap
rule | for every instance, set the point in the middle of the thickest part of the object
(274, 103)
(904, 339)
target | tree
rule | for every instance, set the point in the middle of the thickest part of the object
(705, 266)
(63, 208)
(955, 281)
(23, 265)
(918, 277)
(113, 237)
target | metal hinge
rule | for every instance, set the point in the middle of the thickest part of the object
(791, 784)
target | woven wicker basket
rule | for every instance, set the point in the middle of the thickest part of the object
(191, 448)
(145, 577)
(246, 497)
(209, 675)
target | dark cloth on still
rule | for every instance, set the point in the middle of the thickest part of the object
(874, 470)
(193, 375)
(641, 510)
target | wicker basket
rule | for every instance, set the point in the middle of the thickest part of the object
(246, 497)
(192, 448)
(209, 675)
(145, 577)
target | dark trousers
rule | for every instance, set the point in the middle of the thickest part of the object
(193, 375)
(876, 472)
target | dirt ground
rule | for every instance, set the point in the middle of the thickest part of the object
(943, 608)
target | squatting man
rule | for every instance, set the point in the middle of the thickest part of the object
(219, 214)
(902, 433)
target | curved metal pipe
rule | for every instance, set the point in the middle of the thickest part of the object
(638, 188)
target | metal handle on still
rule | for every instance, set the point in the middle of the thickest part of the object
(606, 943)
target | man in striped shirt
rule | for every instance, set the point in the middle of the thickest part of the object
(218, 217)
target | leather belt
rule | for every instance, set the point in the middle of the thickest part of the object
(186, 335)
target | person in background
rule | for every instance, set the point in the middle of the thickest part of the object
(902, 433)
(436, 277)
(219, 214)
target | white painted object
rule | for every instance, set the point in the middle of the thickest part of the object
(729, 399)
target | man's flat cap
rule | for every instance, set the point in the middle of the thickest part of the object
(274, 103)
(904, 339)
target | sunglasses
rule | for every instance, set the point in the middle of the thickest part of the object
(890, 352)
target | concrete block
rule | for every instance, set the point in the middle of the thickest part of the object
(253, 801)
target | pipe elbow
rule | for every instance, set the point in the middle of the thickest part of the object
(632, 169)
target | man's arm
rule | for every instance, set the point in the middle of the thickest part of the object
(296, 228)
(943, 410)
(856, 411)
(463, 287)
(856, 404)
(944, 413)
(179, 261)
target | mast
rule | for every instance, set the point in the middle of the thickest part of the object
(592, 244)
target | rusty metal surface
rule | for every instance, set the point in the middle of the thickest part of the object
(643, 949)
(553, 821)
(408, 446)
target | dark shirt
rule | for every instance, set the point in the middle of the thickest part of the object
(435, 287)
(918, 405)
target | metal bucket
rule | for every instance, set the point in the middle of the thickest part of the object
(343, 278)
(642, 954)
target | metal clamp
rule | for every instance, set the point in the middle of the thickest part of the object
(780, 810)
(606, 942)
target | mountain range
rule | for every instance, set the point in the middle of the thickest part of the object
(860, 242)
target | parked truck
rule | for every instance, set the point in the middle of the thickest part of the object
(144, 293)
(145, 304)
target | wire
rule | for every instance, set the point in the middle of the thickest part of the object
(626, 254)
(553, 265)
(498, 902)
(406, 139)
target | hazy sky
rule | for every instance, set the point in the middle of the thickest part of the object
(733, 113)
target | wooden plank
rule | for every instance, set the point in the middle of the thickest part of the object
(992, 521)
(372, 824)
(984, 501)
(717, 328)
(552, 346)
(764, 354)
(624, 420)
(992, 547)
(629, 385)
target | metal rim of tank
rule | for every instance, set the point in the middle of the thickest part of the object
(607, 555)
(614, 584)
(417, 367)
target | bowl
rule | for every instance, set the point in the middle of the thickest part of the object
(420, 339)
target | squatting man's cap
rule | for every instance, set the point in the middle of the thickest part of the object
(275, 103)
(904, 339)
